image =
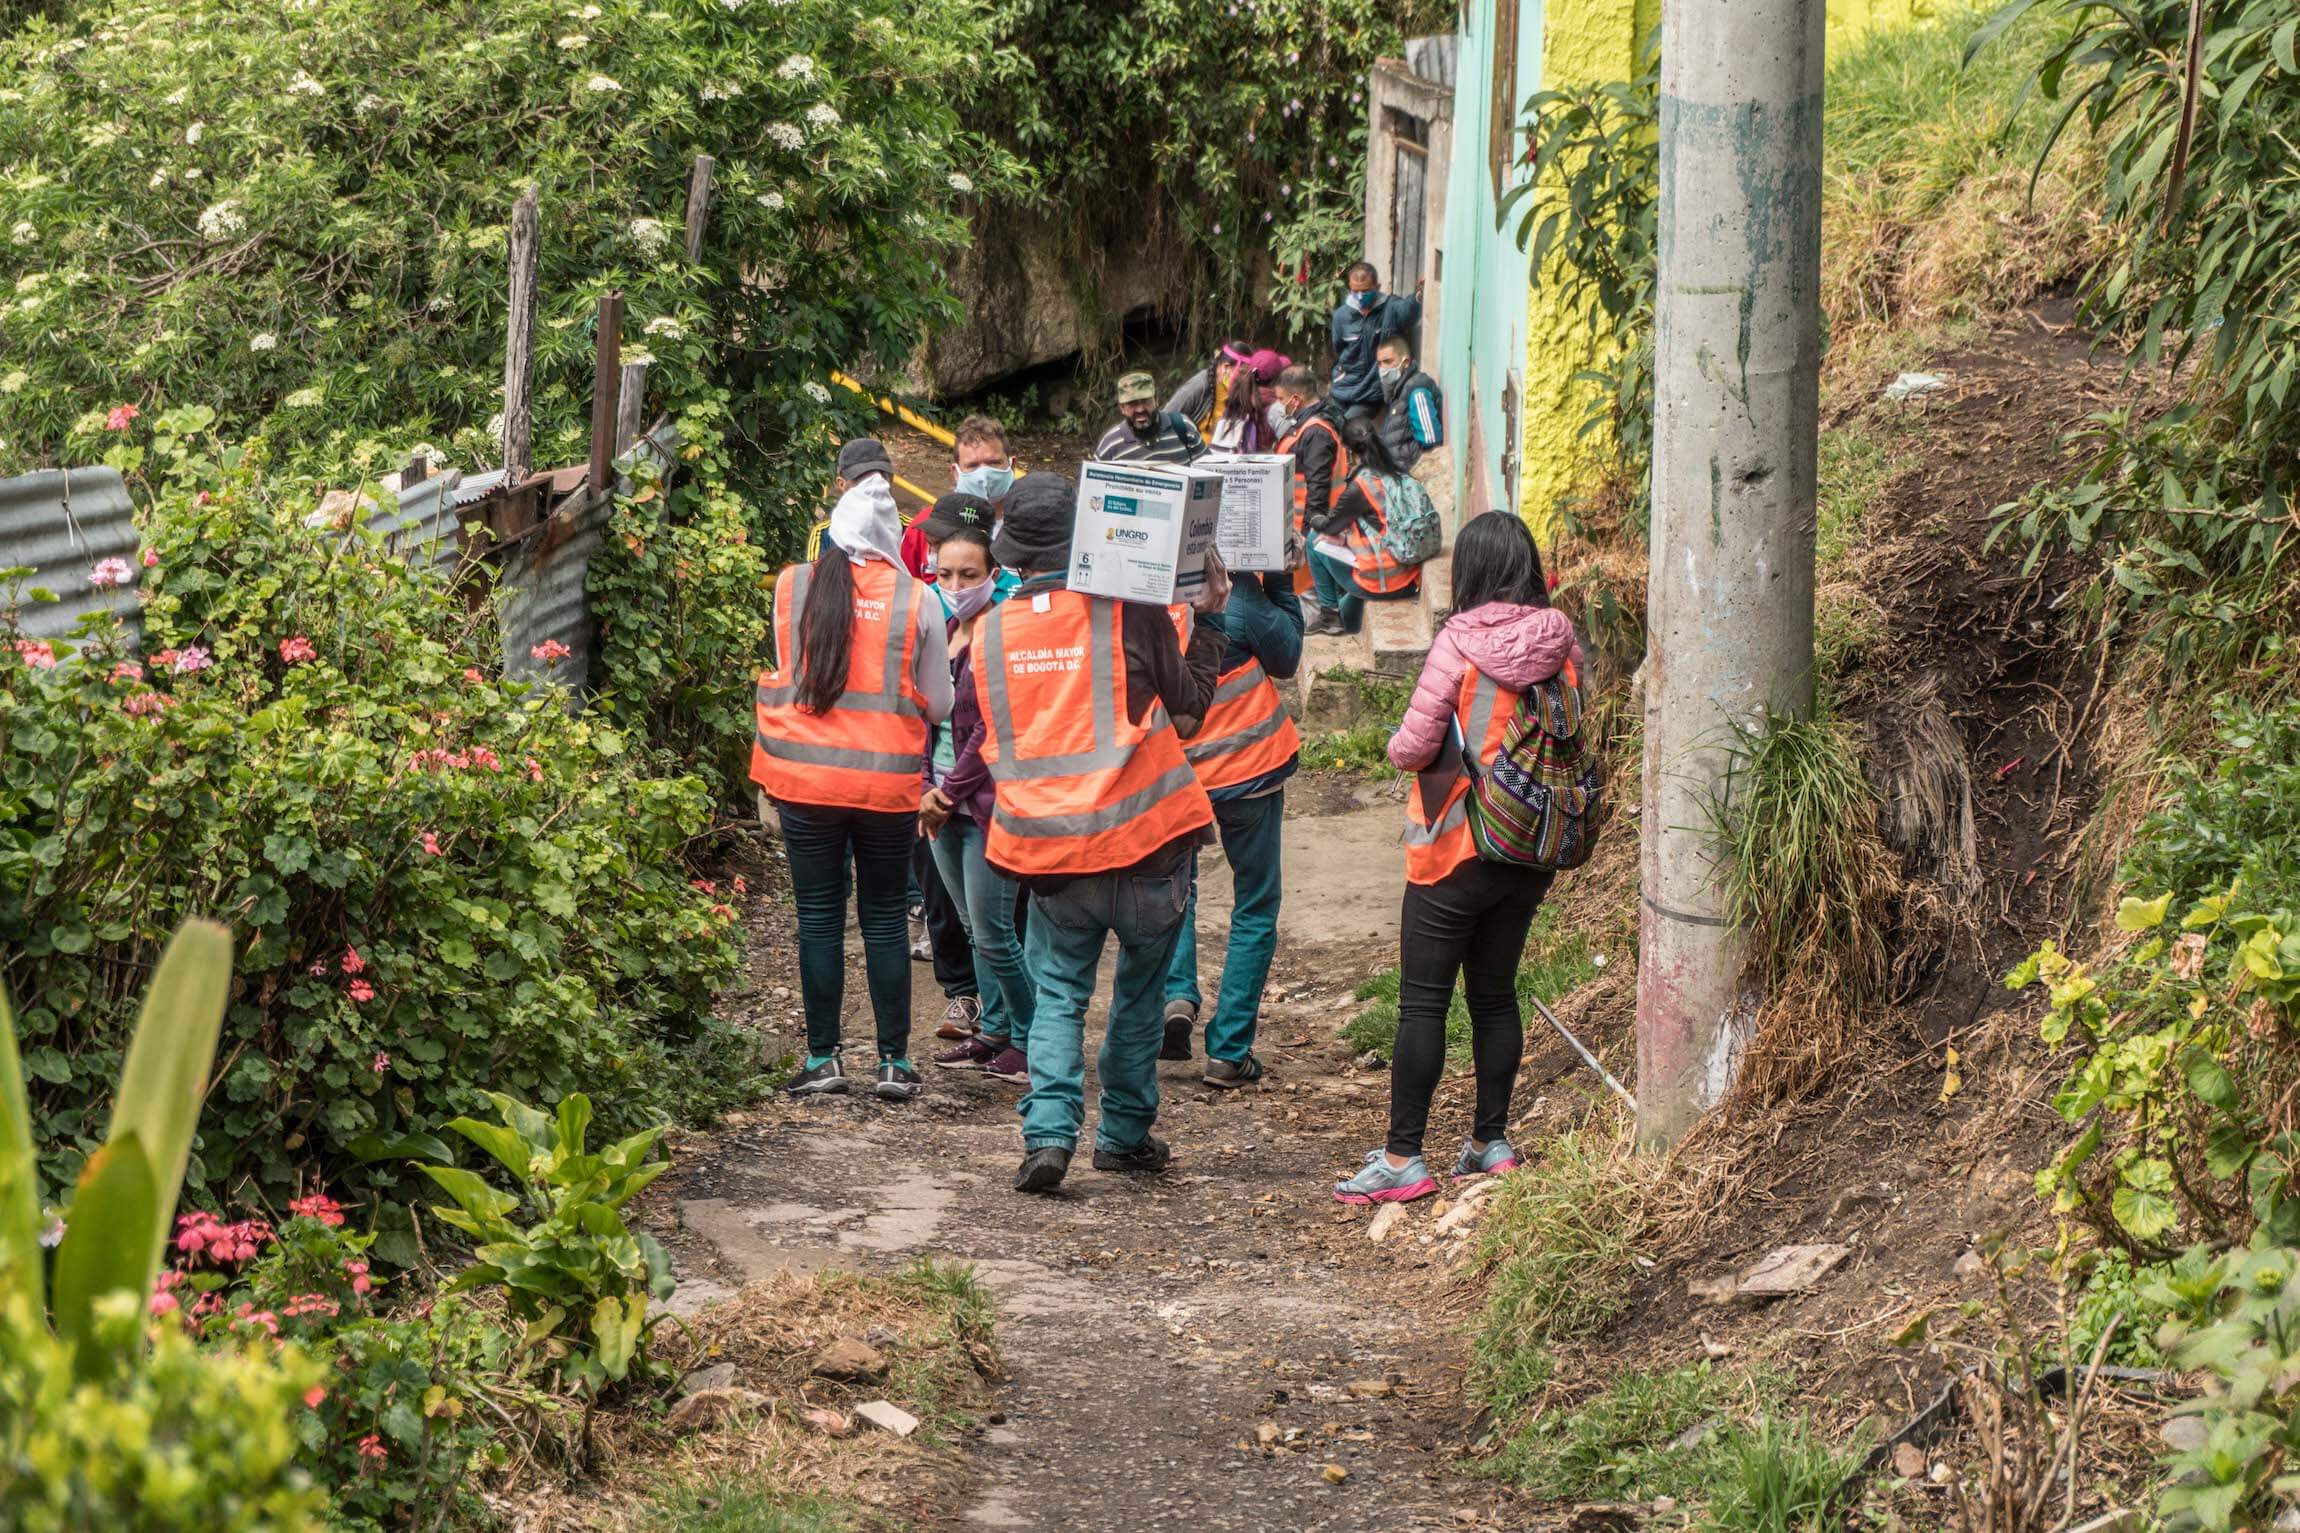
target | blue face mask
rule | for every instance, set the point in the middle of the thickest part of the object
(1364, 302)
(990, 482)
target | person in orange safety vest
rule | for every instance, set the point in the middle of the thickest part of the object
(1244, 753)
(1464, 917)
(861, 671)
(1088, 702)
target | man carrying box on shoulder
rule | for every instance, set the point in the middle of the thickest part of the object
(1087, 702)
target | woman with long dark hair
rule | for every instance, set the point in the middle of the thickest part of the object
(861, 672)
(1349, 563)
(1464, 917)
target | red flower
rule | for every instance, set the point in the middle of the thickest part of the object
(723, 912)
(318, 1206)
(39, 654)
(352, 962)
(120, 416)
(165, 1304)
(704, 884)
(534, 770)
(431, 844)
(297, 650)
(313, 1396)
(127, 670)
(371, 1447)
(151, 558)
(360, 991)
(472, 674)
(742, 886)
(357, 1272)
(550, 651)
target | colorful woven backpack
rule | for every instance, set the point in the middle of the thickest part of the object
(1537, 804)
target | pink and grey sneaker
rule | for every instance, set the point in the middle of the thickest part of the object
(1011, 1065)
(1380, 1182)
(1497, 1158)
(973, 1054)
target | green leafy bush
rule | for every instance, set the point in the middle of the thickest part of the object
(196, 1440)
(2238, 1321)
(576, 1277)
(438, 879)
(295, 215)
(2184, 1038)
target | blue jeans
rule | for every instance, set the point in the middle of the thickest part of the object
(1337, 589)
(985, 899)
(1252, 832)
(1064, 948)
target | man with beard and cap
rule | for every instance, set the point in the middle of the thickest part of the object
(1086, 703)
(1145, 433)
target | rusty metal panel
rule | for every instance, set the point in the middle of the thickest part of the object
(61, 523)
(422, 524)
(543, 588)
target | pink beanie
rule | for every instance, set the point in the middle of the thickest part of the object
(1267, 364)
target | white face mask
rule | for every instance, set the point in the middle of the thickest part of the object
(1390, 376)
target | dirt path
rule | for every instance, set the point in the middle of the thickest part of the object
(1151, 1327)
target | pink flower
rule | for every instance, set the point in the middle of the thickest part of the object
(109, 572)
(120, 416)
(192, 657)
(39, 654)
(723, 912)
(534, 770)
(313, 1304)
(297, 650)
(360, 991)
(357, 1272)
(144, 704)
(318, 970)
(371, 1447)
(351, 961)
(703, 884)
(313, 1396)
(151, 558)
(382, 1063)
(165, 1304)
(551, 651)
(318, 1206)
(474, 675)
(742, 885)
(127, 670)
(431, 844)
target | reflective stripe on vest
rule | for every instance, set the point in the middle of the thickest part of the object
(1436, 848)
(1247, 733)
(1377, 571)
(1080, 788)
(868, 750)
(1334, 486)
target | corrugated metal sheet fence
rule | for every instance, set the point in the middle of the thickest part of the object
(62, 524)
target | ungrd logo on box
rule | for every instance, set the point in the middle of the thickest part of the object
(1125, 535)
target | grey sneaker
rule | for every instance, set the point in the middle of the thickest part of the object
(1380, 1182)
(1498, 1157)
(826, 1079)
(1150, 1156)
(897, 1081)
(1230, 1074)
(1181, 1022)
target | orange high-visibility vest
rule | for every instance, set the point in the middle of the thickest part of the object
(1081, 788)
(1247, 733)
(868, 751)
(1335, 486)
(1378, 572)
(1436, 845)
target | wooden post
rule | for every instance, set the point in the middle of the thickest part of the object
(698, 205)
(519, 343)
(418, 469)
(606, 384)
(630, 402)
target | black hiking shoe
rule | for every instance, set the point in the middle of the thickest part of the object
(897, 1081)
(1230, 1074)
(826, 1079)
(1151, 1155)
(1042, 1169)
(1181, 1022)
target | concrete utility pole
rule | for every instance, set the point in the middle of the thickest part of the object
(1735, 423)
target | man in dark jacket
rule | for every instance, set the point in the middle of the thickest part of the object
(1363, 317)
(1413, 417)
(1314, 437)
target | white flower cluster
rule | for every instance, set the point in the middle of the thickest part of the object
(195, 132)
(816, 392)
(665, 325)
(823, 115)
(263, 340)
(722, 90)
(961, 183)
(573, 40)
(304, 399)
(650, 236)
(24, 233)
(221, 220)
(797, 67)
(771, 201)
(600, 85)
(785, 135)
(305, 85)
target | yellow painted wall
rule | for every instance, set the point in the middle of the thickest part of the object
(1583, 41)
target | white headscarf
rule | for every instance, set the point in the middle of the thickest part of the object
(865, 523)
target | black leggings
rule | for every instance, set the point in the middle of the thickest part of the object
(824, 844)
(1472, 923)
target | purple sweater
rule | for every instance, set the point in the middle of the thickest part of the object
(968, 787)
(1515, 646)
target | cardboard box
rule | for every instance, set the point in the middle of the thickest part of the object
(1257, 507)
(1143, 530)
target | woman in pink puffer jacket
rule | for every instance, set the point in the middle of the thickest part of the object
(1464, 917)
